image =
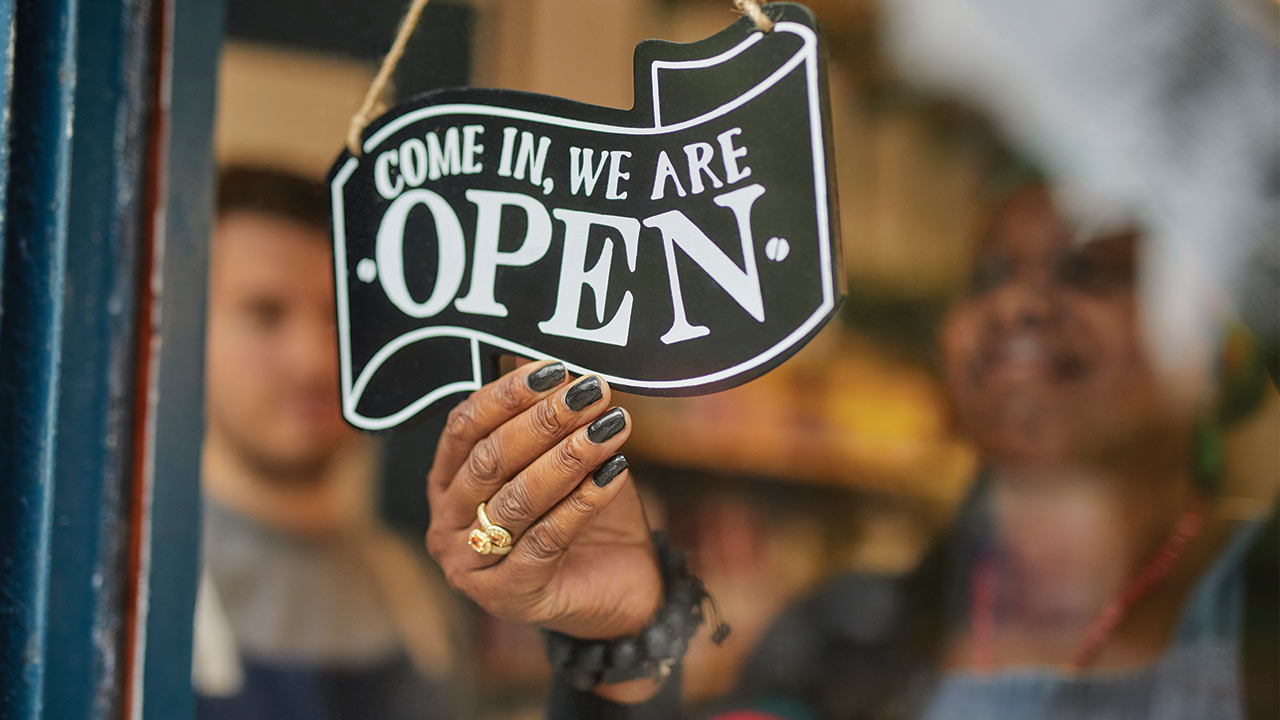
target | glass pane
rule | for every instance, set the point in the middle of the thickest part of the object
(1021, 473)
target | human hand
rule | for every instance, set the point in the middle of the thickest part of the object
(543, 459)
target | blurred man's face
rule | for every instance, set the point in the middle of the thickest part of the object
(1044, 359)
(271, 375)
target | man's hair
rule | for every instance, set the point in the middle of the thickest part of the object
(273, 192)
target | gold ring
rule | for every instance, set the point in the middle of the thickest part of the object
(489, 538)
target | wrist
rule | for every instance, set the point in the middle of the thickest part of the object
(630, 692)
(642, 608)
(633, 667)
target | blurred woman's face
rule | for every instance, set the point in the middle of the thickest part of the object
(1044, 359)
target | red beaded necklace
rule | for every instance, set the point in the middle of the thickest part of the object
(984, 591)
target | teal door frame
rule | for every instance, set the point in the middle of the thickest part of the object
(106, 190)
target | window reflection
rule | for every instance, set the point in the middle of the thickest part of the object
(973, 495)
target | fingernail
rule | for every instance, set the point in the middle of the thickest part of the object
(546, 377)
(583, 393)
(609, 470)
(607, 425)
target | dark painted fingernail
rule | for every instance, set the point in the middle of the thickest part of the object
(609, 470)
(607, 425)
(546, 377)
(583, 393)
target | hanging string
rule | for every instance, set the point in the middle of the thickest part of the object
(751, 8)
(372, 105)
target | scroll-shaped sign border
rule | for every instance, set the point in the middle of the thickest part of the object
(809, 56)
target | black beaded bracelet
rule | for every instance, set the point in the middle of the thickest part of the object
(657, 649)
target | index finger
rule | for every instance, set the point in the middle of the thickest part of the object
(486, 409)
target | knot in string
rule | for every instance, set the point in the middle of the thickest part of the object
(751, 8)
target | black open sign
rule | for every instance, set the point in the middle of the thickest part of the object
(681, 247)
